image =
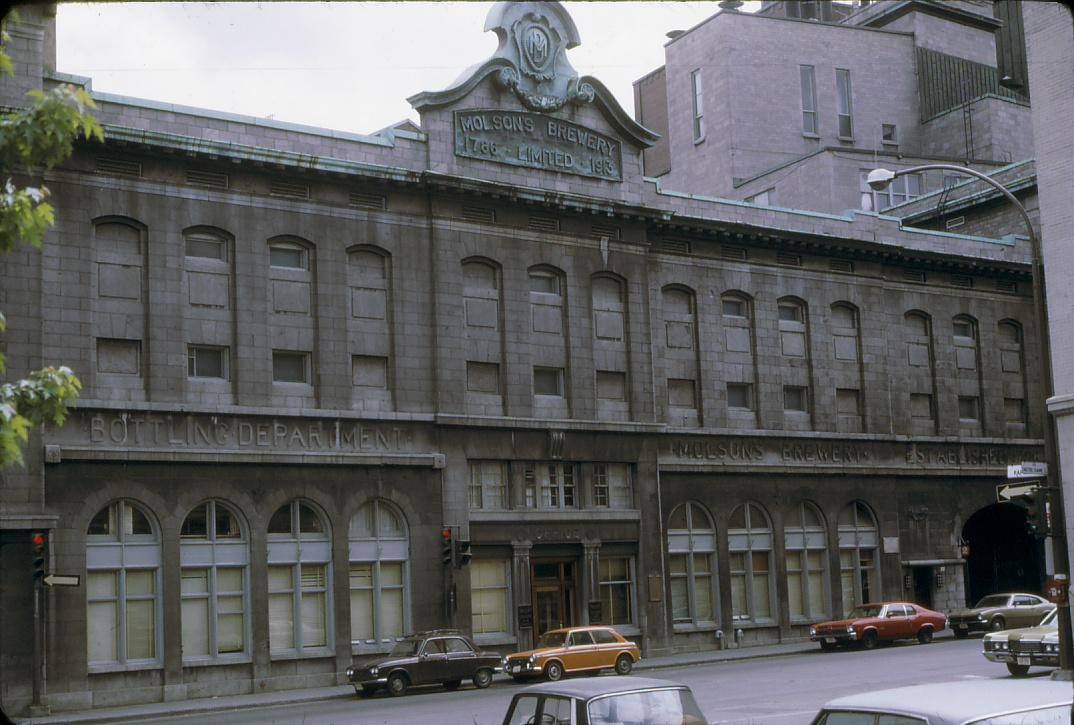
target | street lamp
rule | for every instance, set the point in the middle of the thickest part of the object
(879, 179)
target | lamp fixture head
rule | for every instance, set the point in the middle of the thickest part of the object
(879, 179)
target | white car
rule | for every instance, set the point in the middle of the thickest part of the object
(1027, 647)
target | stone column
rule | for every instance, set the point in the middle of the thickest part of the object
(591, 576)
(521, 584)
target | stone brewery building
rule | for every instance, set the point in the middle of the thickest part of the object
(307, 354)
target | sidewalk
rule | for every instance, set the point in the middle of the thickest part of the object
(289, 697)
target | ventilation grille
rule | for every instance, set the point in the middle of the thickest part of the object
(479, 214)
(788, 259)
(962, 280)
(605, 230)
(367, 200)
(736, 253)
(1006, 286)
(913, 275)
(119, 167)
(955, 222)
(676, 246)
(840, 265)
(289, 191)
(540, 223)
(206, 178)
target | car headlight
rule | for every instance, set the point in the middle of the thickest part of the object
(1002, 645)
(850, 629)
(533, 658)
(350, 672)
(373, 670)
(981, 617)
(812, 631)
(1053, 648)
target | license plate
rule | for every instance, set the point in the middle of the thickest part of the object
(1022, 660)
(963, 626)
(830, 640)
(516, 668)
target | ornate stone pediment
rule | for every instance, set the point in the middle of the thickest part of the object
(531, 61)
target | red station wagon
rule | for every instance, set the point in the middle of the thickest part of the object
(871, 624)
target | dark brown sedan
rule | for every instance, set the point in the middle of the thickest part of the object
(439, 657)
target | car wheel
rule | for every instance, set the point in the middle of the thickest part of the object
(452, 684)
(961, 633)
(870, 640)
(1017, 670)
(828, 646)
(624, 665)
(924, 635)
(553, 671)
(998, 624)
(397, 684)
(482, 678)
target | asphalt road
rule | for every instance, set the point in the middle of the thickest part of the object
(785, 690)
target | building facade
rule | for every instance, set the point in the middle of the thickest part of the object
(309, 355)
(847, 87)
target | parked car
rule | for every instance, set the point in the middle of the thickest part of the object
(574, 649)
(441, 656)
(1000, 611)
(605, 701)
(966, 702)
(1023, 648)
(871, 624)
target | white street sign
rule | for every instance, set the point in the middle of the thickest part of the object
(63, 580)
(1009, 491)
(1028, 469)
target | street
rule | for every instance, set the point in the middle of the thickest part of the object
(785, 690)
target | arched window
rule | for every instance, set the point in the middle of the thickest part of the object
(845, 331)
(965, 340)
(679, 317)
(692, 560)
(858, 561)
(299, 580)
(546, 300)
(806, 544)
(379, 553)
(214, 555)
(481, 294)
(367, 276)
(1012, 360)
(792, 327)
(122, 587)
(749, 538)
(608, 309)
(288, 255)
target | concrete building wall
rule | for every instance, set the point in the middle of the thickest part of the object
(997, 129)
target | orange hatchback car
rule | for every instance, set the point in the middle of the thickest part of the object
(574, 649)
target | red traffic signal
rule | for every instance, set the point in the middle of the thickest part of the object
(447, 548)
(39, 555)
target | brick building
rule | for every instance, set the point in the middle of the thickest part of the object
(306, 354)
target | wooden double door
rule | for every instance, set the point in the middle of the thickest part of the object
(553, 594)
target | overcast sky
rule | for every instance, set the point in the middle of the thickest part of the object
(344, 66)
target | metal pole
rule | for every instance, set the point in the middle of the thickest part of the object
(38, 661)
(1053, 491)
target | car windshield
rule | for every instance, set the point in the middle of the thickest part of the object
(1049, 618)
(659, 707)
(551, 639)
(872, 610)
(405, 648)
(993, 600)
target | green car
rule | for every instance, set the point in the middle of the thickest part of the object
(1021, 649)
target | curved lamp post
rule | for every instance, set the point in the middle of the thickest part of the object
(879, 179)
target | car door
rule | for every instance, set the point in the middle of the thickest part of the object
(891, 620)
(1028, 610)
(581, 652)
(432, 662)
(461, 659)
(607, 646)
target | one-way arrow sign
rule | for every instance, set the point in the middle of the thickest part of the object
(1009, 491)
(63, 580)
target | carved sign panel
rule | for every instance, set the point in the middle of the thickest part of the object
(536, 141)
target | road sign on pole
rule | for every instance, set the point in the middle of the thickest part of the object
(1009, 491)
(63, 580)
(1027, 469)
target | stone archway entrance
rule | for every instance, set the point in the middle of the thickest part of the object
(1003, 557)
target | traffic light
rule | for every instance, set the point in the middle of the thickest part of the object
(447, 548)
(1032, 503)
(464, 553)
(39, 558)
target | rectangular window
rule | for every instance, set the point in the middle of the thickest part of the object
(889, 133)
(554, 482)
(288, 256)
(682, 394)
(611, 385)
(120, 357)
(204, 361)
(699, 107)
(847, 401)
(740, 395)
(489, 597)
(968, 407)
(843, 103)
(616, 591)
(921, 406)
(369, 371)
(1015, 409)
(794, 398)
(547, 381)
(102, 625)
(290, 367)
(488, 485)
(206, 247)
(611, 486)
(482, 377)
(809, 99)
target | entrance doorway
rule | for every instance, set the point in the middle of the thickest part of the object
(923, 576)
(1003, 557)
(553, 595)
